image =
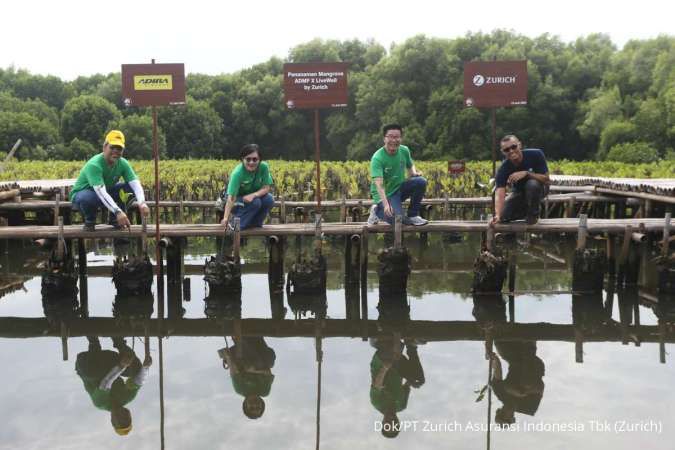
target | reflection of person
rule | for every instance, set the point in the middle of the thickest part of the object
(526, 172)
(102, 372)
(250, 361)
(248, 191)
(388, 369)
(389, 187)
(523, 388)
(97, 185)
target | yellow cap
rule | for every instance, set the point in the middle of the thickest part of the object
(115, 137)
(123, 431)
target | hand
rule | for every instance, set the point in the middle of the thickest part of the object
(147, 362)
(224, 221)
(122, 220)
(417, 174)
(144, 209)
(248, 198)
(388, 211)
(126, 358)
(517, 176)
(495, 220)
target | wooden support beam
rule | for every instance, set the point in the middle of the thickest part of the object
(57, 208)
(237, 240)
(582, 233)
(665, 242)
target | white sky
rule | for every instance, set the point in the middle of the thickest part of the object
(71, 38)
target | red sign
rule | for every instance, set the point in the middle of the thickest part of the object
(153, 84)
(495, 83)
(315, 85)
(456, 167)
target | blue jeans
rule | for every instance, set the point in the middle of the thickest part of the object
(88, 203)
(412, 188)
(252, 214)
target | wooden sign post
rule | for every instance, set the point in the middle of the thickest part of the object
(315, 86)
(154, 85)
(491, 84)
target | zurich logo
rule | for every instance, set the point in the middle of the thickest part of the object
(478, 80)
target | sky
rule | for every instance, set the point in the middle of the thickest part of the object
(72, 38)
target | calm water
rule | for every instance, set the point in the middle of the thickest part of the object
(618, 398)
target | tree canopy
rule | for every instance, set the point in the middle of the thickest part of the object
(584, 99)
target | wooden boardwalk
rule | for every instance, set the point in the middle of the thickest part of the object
(614, 226)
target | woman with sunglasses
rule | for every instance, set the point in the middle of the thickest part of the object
(248, 191)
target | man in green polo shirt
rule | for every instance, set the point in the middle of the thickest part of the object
(390, 185)
(98, 185)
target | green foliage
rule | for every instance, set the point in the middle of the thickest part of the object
(137, 130)
(33, 132)
(87, 117)
(633, 152)
(192, 131)
(616, 132)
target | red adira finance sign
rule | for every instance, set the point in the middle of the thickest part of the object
(153, 84)
(495, 83)
(315, 85)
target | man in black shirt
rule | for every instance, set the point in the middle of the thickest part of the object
(526, 172)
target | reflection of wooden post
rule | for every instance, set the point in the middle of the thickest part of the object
(317, 235)
(578, 346)
(82, 269)
(60, 242)
(490, 235)
(364, 280)
(582, 232)
(237, 241)
(343, 210)
(665, 243)
(282, 209)
(623, 255)
(611, 260)
(64, 340)
(512, 287)
(570, 207)
(662, 342)
(144, 235)
(398, 231)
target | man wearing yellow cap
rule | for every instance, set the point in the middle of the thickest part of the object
(98, 185)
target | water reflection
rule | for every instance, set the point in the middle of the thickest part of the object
(112, 379)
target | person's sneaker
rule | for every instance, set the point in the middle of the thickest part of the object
(372, 217)
(89, 227)
(417, 221)
(532, 219)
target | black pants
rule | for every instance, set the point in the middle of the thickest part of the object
(524, 202)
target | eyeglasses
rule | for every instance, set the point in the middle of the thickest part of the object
(251, 160)
(510, 148)
(116, 148)
(393, 137)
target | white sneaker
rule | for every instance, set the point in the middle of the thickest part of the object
(417, 220)
(372, 217)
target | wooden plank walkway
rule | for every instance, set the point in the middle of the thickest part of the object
(14, 327)
(571, 225)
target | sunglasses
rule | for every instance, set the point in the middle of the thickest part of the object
(510, 148)
(251, 160)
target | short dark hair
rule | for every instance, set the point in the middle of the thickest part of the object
(253, 406)
(391, 126)
(508, 137)
(248, 149)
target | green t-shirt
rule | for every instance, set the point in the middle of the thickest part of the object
(247, 383)
(243, 182)
(122, 392)
(96, 172)
(392, 169)
(394, 393)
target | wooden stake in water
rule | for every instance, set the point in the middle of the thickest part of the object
(237, 240)
(582, 232)
(398, 231)
(666, 236)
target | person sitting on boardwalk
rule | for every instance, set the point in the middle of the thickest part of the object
(389, 187)
(248, 191)
(526, 172)
(102, 371)
(97, 185)
(250, 362)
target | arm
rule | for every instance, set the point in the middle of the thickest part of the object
(140, 196)
(383, 196)
(257, 194)
(413, 172)
(228, 208)
(378, 383)
(110, 204)
(543, 178)
(109, 379)
(500, 194)
(496, 368)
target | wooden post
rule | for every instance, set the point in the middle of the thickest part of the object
(57, 208)
(343, 210)
(446, 207)
(490, 235)
(662, 342)
(364, 279)
(625, 247)
(317, 234)
(180, 211)
(578, 346)
(82, 270)
(398, 231)
(611, 259)
(571, 207)
(665, 243)
(546, 208)
(648, 208)
(144, 237)
(582, 232)
(282, 209)
(60, 243)
(237, 240)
